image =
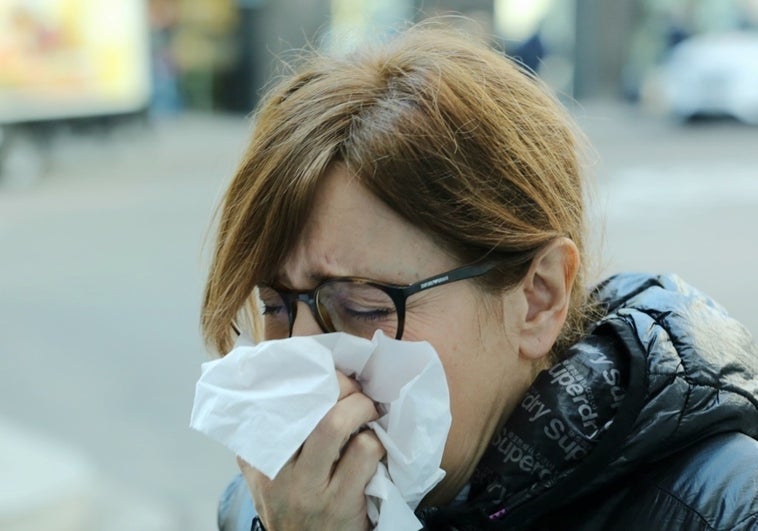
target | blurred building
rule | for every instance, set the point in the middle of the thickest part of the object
(579, 46)
(71, 58)
(89, 57)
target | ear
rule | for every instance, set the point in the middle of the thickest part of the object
(547, 293)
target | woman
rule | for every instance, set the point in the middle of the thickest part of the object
(435, 163)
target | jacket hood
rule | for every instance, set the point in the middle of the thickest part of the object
(700, 366)
(665, 368)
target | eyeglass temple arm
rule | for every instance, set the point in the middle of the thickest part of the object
(462, 273)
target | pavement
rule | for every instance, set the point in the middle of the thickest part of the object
(103, 246)
(101, 275)
(673, 197)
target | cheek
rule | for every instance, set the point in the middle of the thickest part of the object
(471, 347)
(451, 339)
(477, 398)
(475, 389)
(478, 360)
(483, 376)
(455, 349)
(474, 371)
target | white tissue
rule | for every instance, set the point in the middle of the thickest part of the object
(262, 401)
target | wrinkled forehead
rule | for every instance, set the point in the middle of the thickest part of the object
(350, 232)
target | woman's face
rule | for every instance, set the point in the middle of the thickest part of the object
(352, 233)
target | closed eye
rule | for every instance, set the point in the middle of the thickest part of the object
(271, 310)
(369, 314)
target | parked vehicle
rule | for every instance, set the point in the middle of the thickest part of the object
(713, 75)
(68, 60)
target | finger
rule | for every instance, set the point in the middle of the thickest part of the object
(359, 461)
(242, 464)
(347, 385)
(255, 479)
(323, 447)
(257, 483)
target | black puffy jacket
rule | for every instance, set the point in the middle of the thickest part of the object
(649, 423)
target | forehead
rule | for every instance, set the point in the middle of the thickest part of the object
(350, 232)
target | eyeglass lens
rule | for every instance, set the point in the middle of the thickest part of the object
(347, 306)
(274, 314)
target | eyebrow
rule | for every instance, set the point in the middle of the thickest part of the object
(319, 276)
(316, 277)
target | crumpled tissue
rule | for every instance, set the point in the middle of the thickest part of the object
(262, 401)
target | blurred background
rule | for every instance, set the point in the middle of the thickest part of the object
(121, 121)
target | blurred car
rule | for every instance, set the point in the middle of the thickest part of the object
(712, 75)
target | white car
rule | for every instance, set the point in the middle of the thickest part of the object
(713, 75)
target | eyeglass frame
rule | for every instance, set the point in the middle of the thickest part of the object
(398, 293)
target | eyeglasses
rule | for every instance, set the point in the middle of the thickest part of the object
(354, 305)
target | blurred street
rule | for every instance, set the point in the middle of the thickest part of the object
(677, 198)
(101, 279)
(102, 267)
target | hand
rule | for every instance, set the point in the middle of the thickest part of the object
(322, 486)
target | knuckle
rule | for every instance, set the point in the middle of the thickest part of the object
(347, 385)
(367, 406)
(332, 426)
(362, 409)
(367, 444)
(346, 416)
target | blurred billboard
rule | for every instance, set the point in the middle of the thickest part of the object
(72, 58)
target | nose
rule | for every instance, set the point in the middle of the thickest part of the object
(305, 323)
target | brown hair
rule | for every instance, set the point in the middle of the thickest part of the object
(448, 132)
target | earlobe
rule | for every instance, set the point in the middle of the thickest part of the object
(547, 292)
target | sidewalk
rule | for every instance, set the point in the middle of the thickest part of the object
(43, 485)
(46, 485)
(99, 345)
